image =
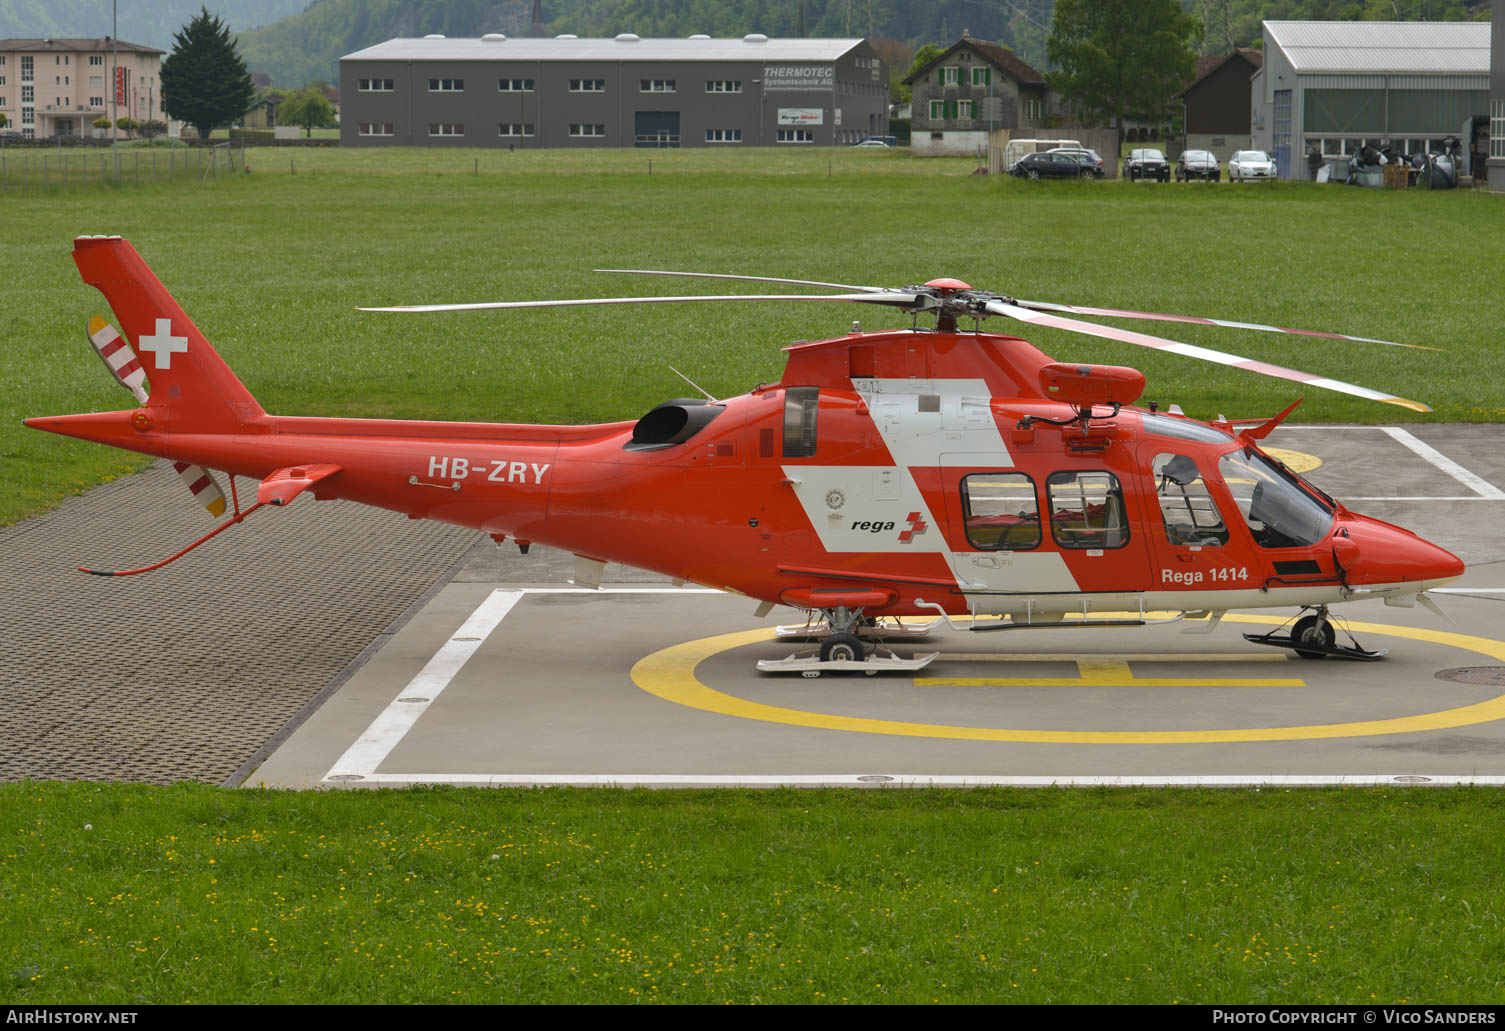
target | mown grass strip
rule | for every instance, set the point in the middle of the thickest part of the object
(201, 894)
(272, 266)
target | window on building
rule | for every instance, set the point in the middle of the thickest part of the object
(515, 129)
(2, 80)
(377, 129)
(2, 99)
(982, 76)
(1001, 511)
(587, 129)
(1497, 128)
(587, 85)
(951, 76)
(514, 85)
(1032, 110)
(656, 85)
(937, 110)
(28, 94)
(964, 109)
(796, 136)
(446, 85)
(96, 102)
(375, 86)
(1087, 510)
(28, 116)
(96, 60)
(27, 68)
(446, 128)
(723, 135)
(723, 85)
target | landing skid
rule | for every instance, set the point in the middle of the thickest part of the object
(1308, 649)
(810, 664)
(879, 629)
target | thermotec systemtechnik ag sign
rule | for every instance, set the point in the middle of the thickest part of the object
(798, 77)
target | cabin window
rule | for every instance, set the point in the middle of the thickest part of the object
(1186, 506)
(1279, 513)
(800, 407)
(1087, 510)
(1001, 511)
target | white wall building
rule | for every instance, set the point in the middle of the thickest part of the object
(1339, 86)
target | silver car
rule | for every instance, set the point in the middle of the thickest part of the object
(1250, 164)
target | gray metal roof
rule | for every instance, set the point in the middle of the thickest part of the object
(618, 49)
(1382, 47)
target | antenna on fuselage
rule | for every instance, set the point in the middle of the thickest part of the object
(692, 383)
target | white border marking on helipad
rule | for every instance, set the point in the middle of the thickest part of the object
(1480, 486)
(392, 724)
(922, 780)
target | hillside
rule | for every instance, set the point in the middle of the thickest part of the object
(150, 22)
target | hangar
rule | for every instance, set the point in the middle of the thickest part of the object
(623, 92)
(1340, 86)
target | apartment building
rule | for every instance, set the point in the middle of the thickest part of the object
(58, 87)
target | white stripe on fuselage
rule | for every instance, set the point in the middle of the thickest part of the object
(868, 508)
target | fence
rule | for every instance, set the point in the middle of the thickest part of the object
(26, 169)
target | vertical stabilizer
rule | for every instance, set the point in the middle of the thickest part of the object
(187, 376)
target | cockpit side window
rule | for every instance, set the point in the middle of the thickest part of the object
(1279, 513)
(801, 405)
(1190, 514)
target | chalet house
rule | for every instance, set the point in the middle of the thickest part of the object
(1217, 103)
(973, 88)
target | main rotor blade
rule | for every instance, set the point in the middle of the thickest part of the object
(1037, 318)
(1123, 313)
(890, 298)
(745, 279)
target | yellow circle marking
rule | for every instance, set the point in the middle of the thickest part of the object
(1296, 461)
(670, 674)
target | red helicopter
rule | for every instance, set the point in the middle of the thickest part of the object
(936, 472)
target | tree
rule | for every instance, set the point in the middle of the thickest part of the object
(4, 121)
(126, 124)
(204, 81)
(151, 129)
(1120, 57)
(308, 108)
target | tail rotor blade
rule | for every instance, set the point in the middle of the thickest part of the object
(118, 357)
(204, 486)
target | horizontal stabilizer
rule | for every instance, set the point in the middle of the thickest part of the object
(285, 484)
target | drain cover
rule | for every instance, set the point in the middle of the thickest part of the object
(1412, 780)
(1490, 676)
(874, 778)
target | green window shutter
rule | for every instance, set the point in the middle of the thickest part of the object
(987, 76)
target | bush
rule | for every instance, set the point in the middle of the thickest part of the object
(101, 123)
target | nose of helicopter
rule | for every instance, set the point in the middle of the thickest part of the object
(1375, 553)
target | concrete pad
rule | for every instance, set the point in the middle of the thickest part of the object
(510, 676)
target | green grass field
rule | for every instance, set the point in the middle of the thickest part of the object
(271, 266)
(1137, 896)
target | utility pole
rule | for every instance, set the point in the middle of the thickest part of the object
(115, 85)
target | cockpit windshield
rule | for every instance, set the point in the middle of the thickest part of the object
(1279, 512)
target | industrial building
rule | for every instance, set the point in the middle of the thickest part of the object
(1497, 106)
(498, 91)
(58, 87)
(1340, 86)
(1217, 103)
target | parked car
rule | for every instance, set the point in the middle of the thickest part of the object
(1147, 164)
(870, 143)
(1250, 164)
(1056, 166)
(1197, 164)
(878, 141)
(1093, 157)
